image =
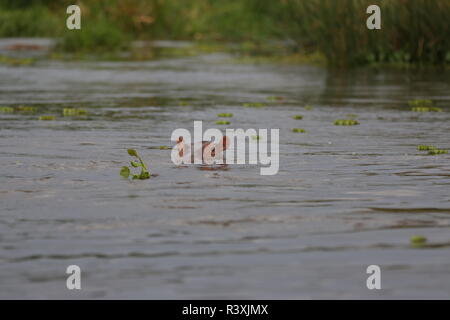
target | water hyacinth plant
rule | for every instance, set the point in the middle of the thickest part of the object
(298, 117)
(308, 107)
(432, 150)
(435, 152)
(26, 109)
(298, 130)
(47, 118)
(225, 115)
(275, 99)
(425, 148)
(420, 103)
(423, 106)
(222, 122)
(68, 112)
(418, 241)
(126, 172)
(426, 109)
(346, 122)
(15, 61)
(6, 110)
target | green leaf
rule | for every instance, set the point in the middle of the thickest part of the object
(144, 175)
(125, 172)
(418, 240)
(134, 164)
(132, 153)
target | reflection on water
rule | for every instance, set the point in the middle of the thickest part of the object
(344, 198)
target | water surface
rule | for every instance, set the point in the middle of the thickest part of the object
(344, 198)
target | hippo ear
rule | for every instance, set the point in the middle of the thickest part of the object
(181, 146)
(209, 152)
(223, 145)
(225, 142)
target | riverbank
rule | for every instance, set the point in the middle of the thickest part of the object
(326, 30)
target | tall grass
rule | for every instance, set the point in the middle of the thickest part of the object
(413, 31)
(28, 22)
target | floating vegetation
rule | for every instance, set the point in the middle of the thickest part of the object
(426, 109)
(164, 148)
(183, 103)
(275, 98)
(423, 106)
(418, 241)
(425, 148)
(126, 172)
(68, 112)
(346, 122)
(225, 115)
(298, 117)
(298, 130)
(47, 118)
(308, 107)
(26, 109)
(435, 152)
(6, 110)
(222, 122)
(420, 103)
(15, 61)
(432, 150)
(254, 105)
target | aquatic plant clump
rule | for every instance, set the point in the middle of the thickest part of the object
(26, 109)
(47, 118)
(15, 61)
(420, 103)
(275, 99)
(432, 150)
(222, 122)
(67, 112)
(225, 115)
(6, 110)
(346, 122)
(298, 117)
(435, 152)
(308, 107)
(425, 148)
(298, 130)
(418, 241)
(423, 106)
(426, 109)
(126, 172)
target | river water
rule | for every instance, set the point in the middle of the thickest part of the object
(344, 198)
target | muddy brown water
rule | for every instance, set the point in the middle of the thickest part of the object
(344, 198)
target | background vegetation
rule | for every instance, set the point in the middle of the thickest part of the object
(413, 31)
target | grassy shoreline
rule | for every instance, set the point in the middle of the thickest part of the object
(325, 32)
